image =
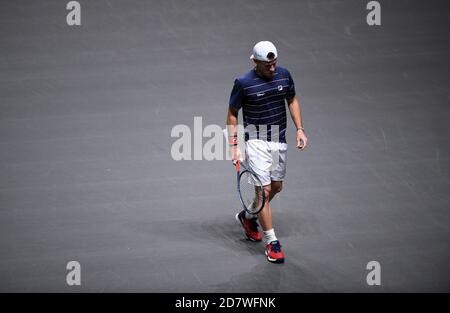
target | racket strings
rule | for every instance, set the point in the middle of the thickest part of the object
(251, 191)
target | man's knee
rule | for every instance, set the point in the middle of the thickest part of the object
(276, 186)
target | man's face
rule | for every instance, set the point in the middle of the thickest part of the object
(266, 68)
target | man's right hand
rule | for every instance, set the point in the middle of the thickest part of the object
(235, 153)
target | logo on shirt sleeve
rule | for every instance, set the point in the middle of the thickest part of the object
(280, 88)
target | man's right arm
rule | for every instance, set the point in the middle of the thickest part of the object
(236, 101)
(232, 120)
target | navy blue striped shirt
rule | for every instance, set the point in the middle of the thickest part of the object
(263, 103)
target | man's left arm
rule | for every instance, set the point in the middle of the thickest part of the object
(296, 114)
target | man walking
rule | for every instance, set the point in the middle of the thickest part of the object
(262, 94)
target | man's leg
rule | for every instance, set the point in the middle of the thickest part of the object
(273, 247)
(265, 216)
(276, 187)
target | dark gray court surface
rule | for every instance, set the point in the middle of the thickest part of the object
(86, 172)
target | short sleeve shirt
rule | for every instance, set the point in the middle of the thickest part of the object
(263, 103)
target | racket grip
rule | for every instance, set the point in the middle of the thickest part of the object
(237, 164)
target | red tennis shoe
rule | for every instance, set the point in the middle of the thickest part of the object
(250, 227)
(274, 253)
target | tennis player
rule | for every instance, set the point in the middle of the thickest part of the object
(262, 94)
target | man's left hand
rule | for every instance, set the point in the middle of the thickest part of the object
(302, 140)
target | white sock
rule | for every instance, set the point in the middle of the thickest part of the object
(250, 216)
(269, 236)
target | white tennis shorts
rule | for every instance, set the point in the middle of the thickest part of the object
(267, 159)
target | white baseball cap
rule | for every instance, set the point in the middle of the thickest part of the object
(262, 49)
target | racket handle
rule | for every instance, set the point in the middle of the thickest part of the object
(237, 164)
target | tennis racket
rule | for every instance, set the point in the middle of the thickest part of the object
(250, 189)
